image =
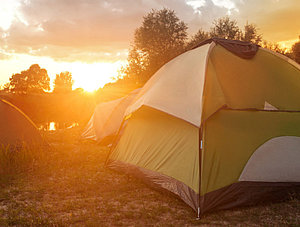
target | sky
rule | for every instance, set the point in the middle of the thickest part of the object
(91, 38)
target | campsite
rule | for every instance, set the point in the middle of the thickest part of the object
(71, 186)
(164, 113)
(81, 176)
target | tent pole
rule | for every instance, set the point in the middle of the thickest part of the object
(200, 167)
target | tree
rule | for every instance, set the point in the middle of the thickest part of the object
(274, 47)
(225, 28)
(63, 82)
(250, 34)
(4, 87)
(136, 68)
(33, 80)
(160, 38)
(296, 51)
(199, 37)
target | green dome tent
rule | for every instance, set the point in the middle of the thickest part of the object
(16, 128)
(219, 126)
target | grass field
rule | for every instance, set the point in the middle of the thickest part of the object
(70, 186)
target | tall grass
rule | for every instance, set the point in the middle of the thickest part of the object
(19, 160)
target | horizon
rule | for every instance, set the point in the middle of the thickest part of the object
(92, 39)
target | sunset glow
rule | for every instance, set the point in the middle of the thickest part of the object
(52, 126)
(89, 76)
(91, 39)
(92, 76)
(287, 44)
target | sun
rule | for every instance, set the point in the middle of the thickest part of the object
(8, 12)
(287, 44)
(91, 77)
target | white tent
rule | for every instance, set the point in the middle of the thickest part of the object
(107, 118)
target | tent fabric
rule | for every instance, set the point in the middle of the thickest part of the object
(277, 160)
(159, 181)
(229, 82)
(95, 128)
(171, 147)
(247, 193)
(241, 49)
(174, 87)
(16, 129)
(231, 137)
(208, 120)
(107, 118)
(89, 130)
(250, 83)
(169, 141)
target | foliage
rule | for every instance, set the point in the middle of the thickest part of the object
(225, 28)
(250, 34)
(296, 51)
(274, 47)
(136, 68)
(160, 38)
(33, 80)
(63, 82)
(4, 87)
(228, 29)
(17, 160)
(199, 37)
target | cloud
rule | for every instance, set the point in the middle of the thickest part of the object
(74, 26)
(95, 30)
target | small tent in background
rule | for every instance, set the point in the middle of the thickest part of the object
(107, 118)
(16, 128)
(219, 126)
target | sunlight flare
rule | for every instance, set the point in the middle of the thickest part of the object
(91, 77)
(52, 126)
(287, 43)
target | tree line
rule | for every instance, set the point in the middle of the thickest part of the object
(29, 91)
(162, 36)
(35, 80)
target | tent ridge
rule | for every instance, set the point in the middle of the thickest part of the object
(246, 50)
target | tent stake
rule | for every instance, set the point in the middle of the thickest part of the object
(198, 214)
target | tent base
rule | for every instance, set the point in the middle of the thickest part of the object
(242, 193)
(246, 193)
(159, 181)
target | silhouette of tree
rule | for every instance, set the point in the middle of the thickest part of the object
(160, 38)
(33, 80)
(4, 87)
(63, 82)
(225, 28)
(251, 34)
(296, 51)
(274, 47)
(199, 37)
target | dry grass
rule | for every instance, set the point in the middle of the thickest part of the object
(72, 187)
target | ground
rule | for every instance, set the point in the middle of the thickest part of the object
(69, 185)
